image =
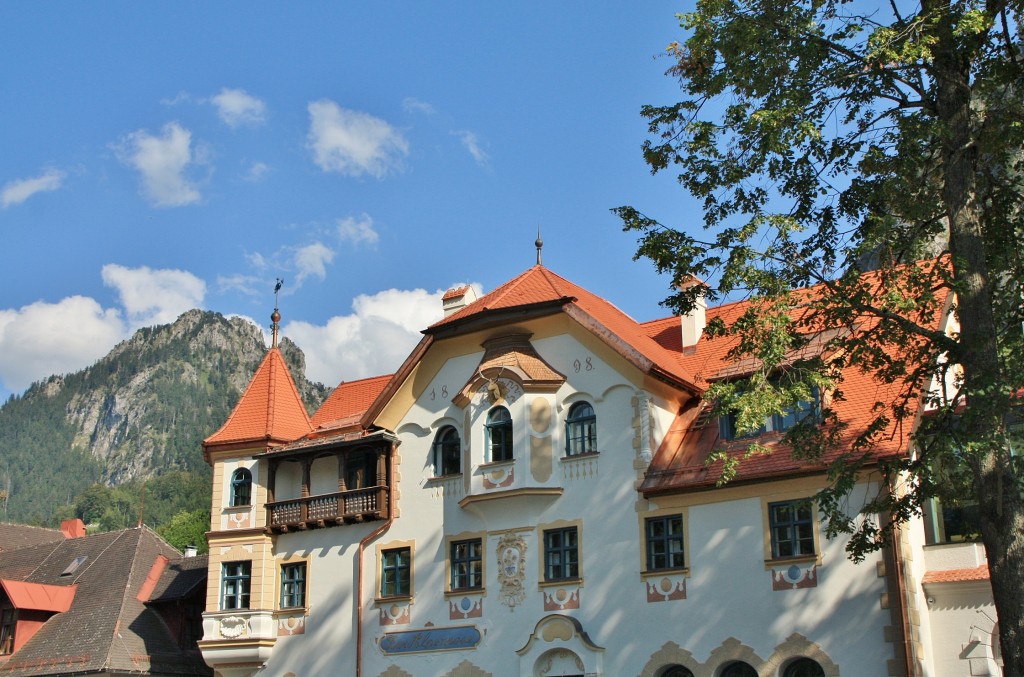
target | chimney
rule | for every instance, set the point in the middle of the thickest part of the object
(191, 551)
(692, 324)
(456, 299)
(73, 528)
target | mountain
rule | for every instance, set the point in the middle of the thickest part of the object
(140, 411)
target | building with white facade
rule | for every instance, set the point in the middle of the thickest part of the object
(528, 496)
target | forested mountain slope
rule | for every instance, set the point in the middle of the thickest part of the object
(141, 411)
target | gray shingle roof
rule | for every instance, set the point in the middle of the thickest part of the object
(107, 627)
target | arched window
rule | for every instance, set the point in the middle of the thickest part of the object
(447, 452)
(580, 430)
(499, 434)
(676, 671)
(738, 669)
(803, 667)
(241, 487)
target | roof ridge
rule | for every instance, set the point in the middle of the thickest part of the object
(124, 595)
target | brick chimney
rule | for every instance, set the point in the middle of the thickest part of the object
(73, 528)
(692, 324)
(456, 299)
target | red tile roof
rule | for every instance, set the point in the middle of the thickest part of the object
(538, 286)
(679, 462)
(269, 410)
(956, 575)
(349, 399)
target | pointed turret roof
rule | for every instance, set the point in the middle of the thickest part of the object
(270, 410)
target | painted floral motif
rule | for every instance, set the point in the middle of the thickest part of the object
(511, 569)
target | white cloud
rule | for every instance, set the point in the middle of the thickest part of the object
(154, 296)
(413, 105)
(357, 230)
(245, 284)
(162, 161)
(236, 107)
(17, 191)
(54, 338)
(256, 171)
(472, 144)
(353, 143)
(373, 340)
(312, 260)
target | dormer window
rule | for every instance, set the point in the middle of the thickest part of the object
(241, 487)
(499, 435)
(581, 430)
(789, 417)
(447, 452)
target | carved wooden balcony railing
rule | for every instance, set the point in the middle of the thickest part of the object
(324, 510)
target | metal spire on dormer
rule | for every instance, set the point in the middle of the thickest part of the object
(540, 245)
(275, 317)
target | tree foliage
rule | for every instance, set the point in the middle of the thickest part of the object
(825, 138)
(188, 528)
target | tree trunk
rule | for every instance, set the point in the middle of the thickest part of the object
(999, 499)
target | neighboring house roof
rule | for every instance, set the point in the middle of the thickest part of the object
(106, 628)
(349, 400)
(539, 288)
(270, 410)
(14, 536)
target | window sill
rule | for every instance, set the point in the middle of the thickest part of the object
(573, 457)
(462, 592)
(444, 478)
(799, 559)
(561, 582)
(394, 599)
(292, 610)
(240, 508)
(495, 465)
(655, 573)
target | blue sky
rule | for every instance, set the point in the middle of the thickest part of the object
(162, 156)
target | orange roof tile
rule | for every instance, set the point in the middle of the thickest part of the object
(269, 410)
(956, 575)
(679, 463)
(350, 399)
(538, 286)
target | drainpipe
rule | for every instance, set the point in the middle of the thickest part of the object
(359, 562)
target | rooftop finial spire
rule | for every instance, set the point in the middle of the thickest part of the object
(275, 317)
(540, 245)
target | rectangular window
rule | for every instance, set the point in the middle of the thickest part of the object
(665, 542)
(467, 565)
(293, 585)
(235, 580)
(791, 524)
(8, 618)
(789, 417)
(561, 554)
(395, 569)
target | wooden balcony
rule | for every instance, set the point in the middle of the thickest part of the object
(327, 510)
